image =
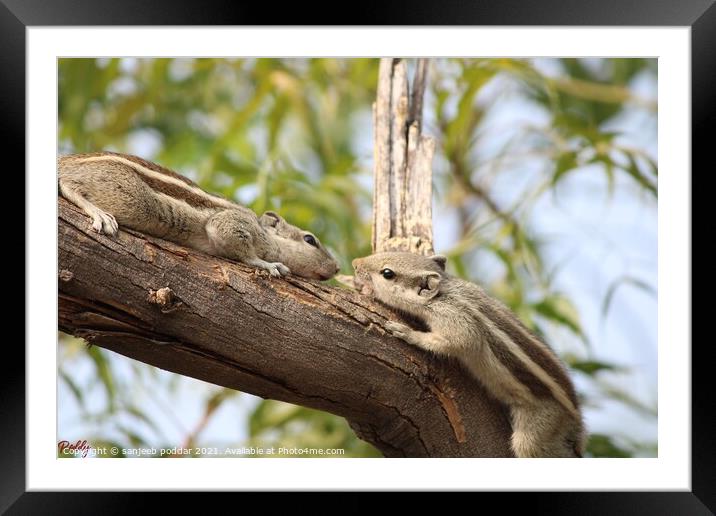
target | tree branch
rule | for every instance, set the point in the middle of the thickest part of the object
(288, 339)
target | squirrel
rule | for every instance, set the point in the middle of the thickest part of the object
(464, 322)
(124, 190)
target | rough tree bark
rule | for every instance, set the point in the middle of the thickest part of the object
(288, 339)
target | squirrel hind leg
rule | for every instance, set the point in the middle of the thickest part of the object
(545, 431)
(102, 222)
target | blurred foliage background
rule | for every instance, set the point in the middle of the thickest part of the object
(523, 146)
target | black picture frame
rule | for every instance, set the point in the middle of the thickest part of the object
(17, 15)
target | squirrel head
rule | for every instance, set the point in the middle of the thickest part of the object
(299, 250)
(406, 281)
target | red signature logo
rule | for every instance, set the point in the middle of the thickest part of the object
(78, 448)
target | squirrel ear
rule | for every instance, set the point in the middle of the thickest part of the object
(429, 285)
(270, 218)
(440, 260)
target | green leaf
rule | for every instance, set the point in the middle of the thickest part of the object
(135, 440)
(609, 165)
(139, 414)
(600, 445)
(635, 172)
(566, 162)
(560, 310)
(270, 414)
(624, 280)
(219, 397)
(74, 388)
(619, 394)
(591, 367)
(105, 375)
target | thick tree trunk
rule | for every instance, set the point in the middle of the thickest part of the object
(289, 339)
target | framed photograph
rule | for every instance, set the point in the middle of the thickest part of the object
(449, 256)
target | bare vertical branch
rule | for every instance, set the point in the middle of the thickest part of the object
(382, 155)
(402, 169)
(398, 146)
(416, 98)
(419, 226)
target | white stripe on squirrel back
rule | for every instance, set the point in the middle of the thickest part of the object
(162, 177)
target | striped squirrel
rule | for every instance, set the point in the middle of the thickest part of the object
(462, 321)
(123, 190)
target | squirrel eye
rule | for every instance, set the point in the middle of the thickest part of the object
(310, 240)
(387, 274)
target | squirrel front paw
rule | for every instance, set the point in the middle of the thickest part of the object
(399, 330)
(282, 269)
(276, 269)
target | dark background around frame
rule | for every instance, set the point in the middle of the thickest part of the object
(700, 15)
